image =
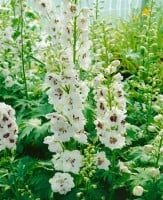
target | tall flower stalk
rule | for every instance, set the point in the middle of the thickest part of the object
(110, 114)
(22, 47)
(67, 93)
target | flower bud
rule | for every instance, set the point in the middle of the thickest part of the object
(160, 98)
(152, 128)
(158, 138)
(115, 63)
(138, 191)
(154, 172)
(161, 133)
(158, 117)
(148, 148)
(156, 108)
(79, 194)
(94, 186)
(161, 150)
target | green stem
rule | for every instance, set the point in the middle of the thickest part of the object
(75, 39)
(22, 47)
(96, 9)
(147, 65)
(159, 153)
(113, 175)
(39, 61)
(106, 46)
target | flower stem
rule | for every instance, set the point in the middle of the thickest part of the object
(113, 175)
(22, 48)
(96, 9)
(105, 45)
(75, 39)
(159, 153)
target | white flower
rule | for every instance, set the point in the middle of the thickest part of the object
(112, 140)
(101, 92)
(157, 108)
(86, 12)
(138, 191)
(58, 98)
(98, 80)
(161, 150)
(60, 127)
(101, 161)
(123, 167)
(69, 9)
(52, 80)
(77, 119)
(152, 128)
(9, 82)
(69, 76)
(82, 22)
(110, 69)
(81, 137)
(68, 161)
(53, 145)
(35, 122)
(118, 78)
(62, 183)
(115, 63)
(42, 6)
(158, 117)
(101, 106)
(83, 90)
(100, 125)
(5, 72)
(148, 148)
(8, 127)
(84, 60)
(160, 98)
(154, 172)
(116, 119)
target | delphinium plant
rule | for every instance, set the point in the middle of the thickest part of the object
(110, 120)
(67, 93)
(147, 87)
(143, 90)
(21, 76)
(10, 181)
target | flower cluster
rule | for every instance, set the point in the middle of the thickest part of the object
(110, 108)
(8, 127)
(67, 93)
(69, 31)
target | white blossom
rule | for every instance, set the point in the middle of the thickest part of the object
(112, 140)
(138, 191)
(101, 161)
(123, 167)
(68, 161)
(62, 183)
(8, 127)
(154, 172)
(53, 145)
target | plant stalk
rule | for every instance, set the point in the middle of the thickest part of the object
(22, 48)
